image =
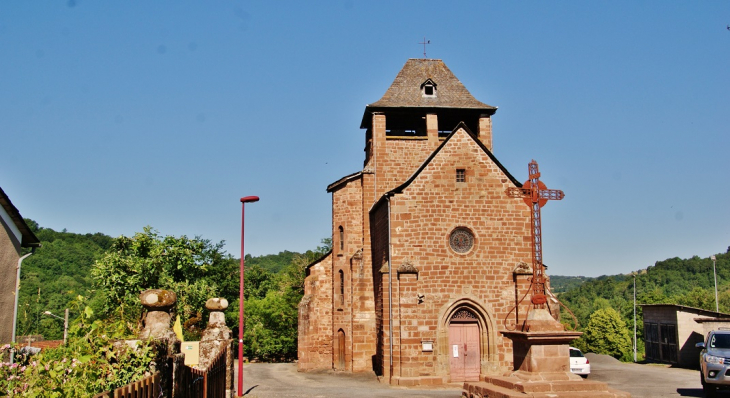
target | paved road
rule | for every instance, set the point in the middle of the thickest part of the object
(263, 380)
(266, 380)
(646, 380)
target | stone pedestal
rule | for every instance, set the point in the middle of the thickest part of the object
(541, 366)
(216, 338)
(158, 304)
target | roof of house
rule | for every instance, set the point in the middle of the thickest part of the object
(337, 184)
(685, 308)
(406, 90)
(28, 237)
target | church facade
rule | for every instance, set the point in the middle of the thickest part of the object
(429, 252)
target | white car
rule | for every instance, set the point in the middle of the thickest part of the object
(578, 363)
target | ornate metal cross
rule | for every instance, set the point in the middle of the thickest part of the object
(535, 194)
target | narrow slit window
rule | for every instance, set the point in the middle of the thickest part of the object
(342, 287)
(342, 238)
(460, 175)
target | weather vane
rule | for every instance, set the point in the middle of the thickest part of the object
(424, 46)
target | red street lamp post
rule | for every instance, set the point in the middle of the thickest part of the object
(247, 199)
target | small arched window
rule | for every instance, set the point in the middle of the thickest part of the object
(342, 238)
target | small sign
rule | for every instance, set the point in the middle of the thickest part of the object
(191, 349)
(455, 349)
(427, 346)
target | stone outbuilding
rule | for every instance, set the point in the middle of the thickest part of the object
(14, 236)
(429, 252)
(671, 332)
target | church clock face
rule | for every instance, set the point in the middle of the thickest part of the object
(461, 240)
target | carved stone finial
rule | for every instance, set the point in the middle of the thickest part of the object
(522, 268)
(216, 304)
(158, 299)
(407, 267)
(158, 304)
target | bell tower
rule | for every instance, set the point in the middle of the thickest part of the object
(421, 107)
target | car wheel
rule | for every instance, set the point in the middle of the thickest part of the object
(709, 389)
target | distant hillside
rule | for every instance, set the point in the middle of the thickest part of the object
(272, 263)
(687, 282)
(561, 284)
(54, 276)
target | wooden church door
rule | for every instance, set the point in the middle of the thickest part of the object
(464, 351)
(340, 350)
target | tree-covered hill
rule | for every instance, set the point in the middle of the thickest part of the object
(54, 276)
(562, 283)
(272, 263)
(688, 282)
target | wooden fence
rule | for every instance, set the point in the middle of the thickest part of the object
(149, 387)
(209, 383)
(187, 382)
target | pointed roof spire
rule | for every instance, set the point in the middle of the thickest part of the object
(407, 88)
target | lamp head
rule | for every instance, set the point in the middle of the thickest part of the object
(712, 258)
(249, 199)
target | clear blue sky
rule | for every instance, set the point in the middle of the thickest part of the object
(118, 115)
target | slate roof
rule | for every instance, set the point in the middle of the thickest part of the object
(406, 88)
(28, 237)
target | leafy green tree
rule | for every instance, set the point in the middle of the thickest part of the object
(151, 261)
(698, 298)
(606, 333)
(271, 332)
(54, 276)
(271, 307)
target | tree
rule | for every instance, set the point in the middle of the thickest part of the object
(151, 261)
(272, 306)
(54, 276)
(606, 333)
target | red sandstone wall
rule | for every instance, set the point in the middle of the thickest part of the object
(422, 219)
(315, 318)
(346, 213)
(403, 157)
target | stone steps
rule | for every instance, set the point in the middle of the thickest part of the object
(501, 387)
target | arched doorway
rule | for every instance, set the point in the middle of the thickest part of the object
(464, 346)
(340, 351)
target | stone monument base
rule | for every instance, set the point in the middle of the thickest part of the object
(552, 386)
(541, 367)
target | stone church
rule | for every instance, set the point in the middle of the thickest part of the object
(429, 252)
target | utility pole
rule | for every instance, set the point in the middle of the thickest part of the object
(714, 272)
(634, 274)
